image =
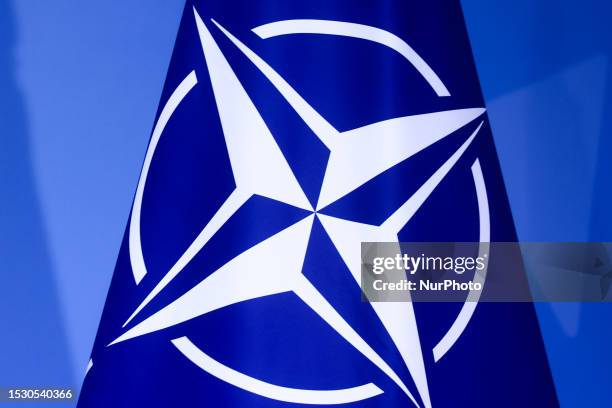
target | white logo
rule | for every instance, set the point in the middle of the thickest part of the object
(274, 265)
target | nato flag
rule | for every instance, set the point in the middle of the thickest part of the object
(289, 132)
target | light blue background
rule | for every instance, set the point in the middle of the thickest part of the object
(79, 87)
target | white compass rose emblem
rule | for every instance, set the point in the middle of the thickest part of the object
(274, 265)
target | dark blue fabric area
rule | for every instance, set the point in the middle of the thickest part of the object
(498, 361)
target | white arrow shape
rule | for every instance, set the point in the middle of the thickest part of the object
(361, 154)
(258, 165)
(398, 318)
(374, 148)
(270, 267)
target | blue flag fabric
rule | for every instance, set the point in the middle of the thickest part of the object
(288, 133)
